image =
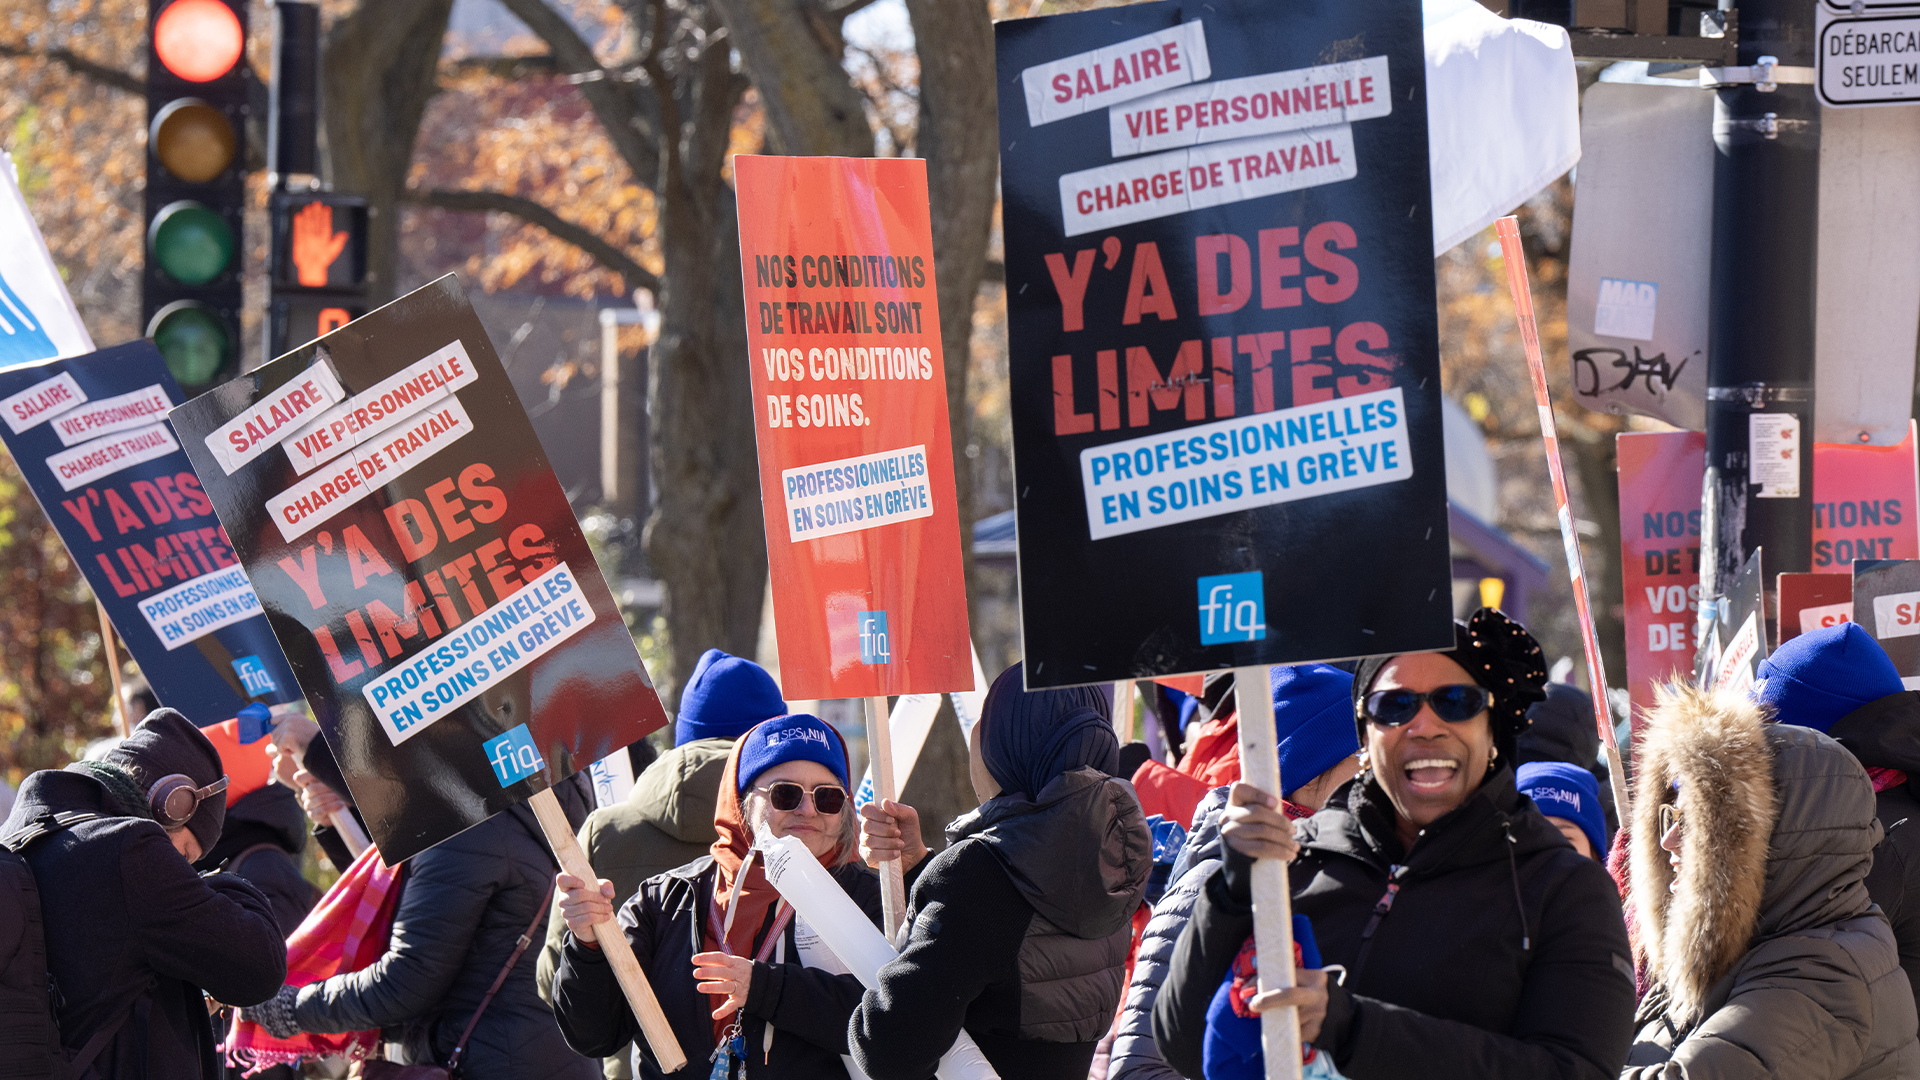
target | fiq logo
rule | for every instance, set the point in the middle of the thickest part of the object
(254, 676)
(513, 756)
(875, 648)
(1233, 607)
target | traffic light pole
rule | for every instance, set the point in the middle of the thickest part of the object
(1758, 491)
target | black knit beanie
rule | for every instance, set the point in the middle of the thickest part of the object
(166, 743)
(1500, 656)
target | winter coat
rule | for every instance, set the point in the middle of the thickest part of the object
(665, 822)
(463, 904)
(264, 835)
(665, 922)
(1886, 734)
(129, 923)
(1497, 951)
(1019, 935)
(1135, 1055)
(1768, 958)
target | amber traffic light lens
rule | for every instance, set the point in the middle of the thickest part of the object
(198, 40)
(193, 140)
(194, 341)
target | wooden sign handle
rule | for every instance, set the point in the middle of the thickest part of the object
(1272, 898)
(1123, 692)
(120, 718)
(893, 883)
(613, 943)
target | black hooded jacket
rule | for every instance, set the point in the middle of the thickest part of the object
(1885, 734)
(262, 840)
(1498, 951)
(129, 923)
(1019, 934)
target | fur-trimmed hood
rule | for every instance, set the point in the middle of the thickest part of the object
(1777, 837)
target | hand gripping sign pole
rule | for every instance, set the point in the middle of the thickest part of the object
(1509, 230)
(893, 884)
(1272, 897)
(613, 945)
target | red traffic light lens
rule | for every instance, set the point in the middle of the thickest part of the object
(192, 243)
(198, 40)
(192, 140)
(194, 340)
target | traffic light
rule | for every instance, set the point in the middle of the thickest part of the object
(319, 270)
(197, 81)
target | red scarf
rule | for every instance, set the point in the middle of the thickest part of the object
(346, 932)
(1885, 778)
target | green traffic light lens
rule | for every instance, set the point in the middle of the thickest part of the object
(194, 340)
(191, 243)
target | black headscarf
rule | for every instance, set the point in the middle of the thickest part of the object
(1499, 655)
(1029, 739)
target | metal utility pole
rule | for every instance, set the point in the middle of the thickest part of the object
(1760, 363)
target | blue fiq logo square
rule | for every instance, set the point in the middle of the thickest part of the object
(513, 756)
(1233, 607)
(874, 646)
(254, 676)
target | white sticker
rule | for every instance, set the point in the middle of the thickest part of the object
(388, 402)
(1819, 618)
(1896, 615)
(1161, 185)
(148, 405)
(109, 454)
(351, 478)
(1256, 105)
(42, 402)
(193, 609)
(857, 493)
(1626, 309)
(261, 426)
(1773, 454)
(1133, 68)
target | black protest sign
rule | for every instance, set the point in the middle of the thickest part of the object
(1886, 600)
(1224, 355)
(420, 564)
(90, 435)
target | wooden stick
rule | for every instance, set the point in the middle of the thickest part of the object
(893, 883)
(612, 941)
(1272, 897)
(120, 718)
(1123, 711)
(350, 832)
(1508, 229)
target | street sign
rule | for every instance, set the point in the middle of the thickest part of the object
(1868, 59)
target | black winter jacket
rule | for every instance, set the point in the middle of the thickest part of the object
(1499, 954)
(463, 904)
(1886, 734)
(664, 922)
(129, 922)
(1019, 935)
(264, 835)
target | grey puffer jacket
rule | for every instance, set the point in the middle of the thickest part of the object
(1768, 956)
(1135, 1055)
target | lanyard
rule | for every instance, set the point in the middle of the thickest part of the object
(720, 929)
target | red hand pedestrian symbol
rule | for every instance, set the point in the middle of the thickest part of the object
(315, 244)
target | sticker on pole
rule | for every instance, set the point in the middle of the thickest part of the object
(421, 565)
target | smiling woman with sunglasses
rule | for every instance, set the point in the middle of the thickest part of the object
(1475, 942)
(743, 981)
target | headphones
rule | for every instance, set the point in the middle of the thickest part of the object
(174, 798)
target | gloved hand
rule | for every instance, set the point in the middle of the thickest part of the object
(275, 1014)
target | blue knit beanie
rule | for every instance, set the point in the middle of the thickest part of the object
(1313, 720)
(1566, 791)
(798, 737)
(724, 697)
(1815, 679)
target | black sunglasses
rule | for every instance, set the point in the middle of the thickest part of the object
(1454, 704)
(786, 797)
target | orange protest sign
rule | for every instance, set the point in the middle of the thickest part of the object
(849, 392)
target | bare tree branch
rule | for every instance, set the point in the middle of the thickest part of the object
(79, 65)
(501, 67)
(620, 106)
(533, 213)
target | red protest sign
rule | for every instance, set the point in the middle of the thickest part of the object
(1864, 503)
(856, 461)
(1660, 475)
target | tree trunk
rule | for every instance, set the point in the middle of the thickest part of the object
(378, 74)
(793, 55)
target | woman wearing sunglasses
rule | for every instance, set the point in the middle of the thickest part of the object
(748, 989)
(1471, 940)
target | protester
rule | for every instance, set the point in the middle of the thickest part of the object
(667, 819)
(1569, 796)
(1313, 721)
(1210, 758)
(1751, 844)
(304, 763)
(1839, 680)
(463, 905)
(1506, 956)
(1562, 728)
(134, 936)
(265, 832)
(1019, 929)
(720, 948)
